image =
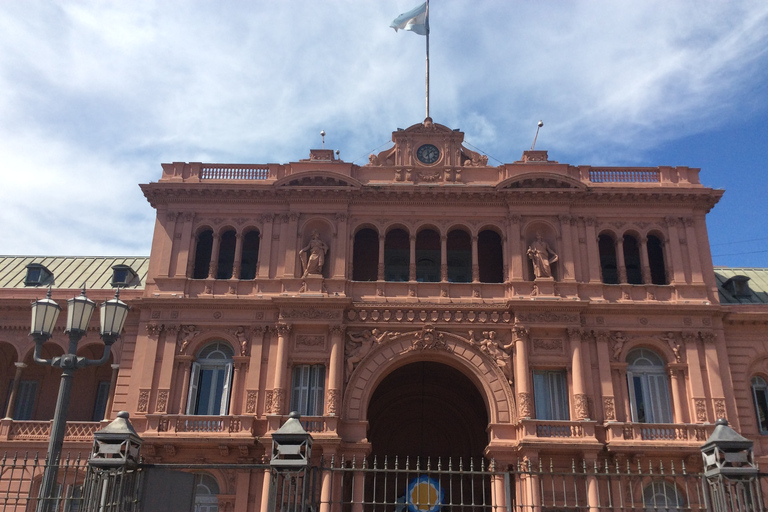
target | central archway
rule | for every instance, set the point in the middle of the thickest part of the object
(427, 409)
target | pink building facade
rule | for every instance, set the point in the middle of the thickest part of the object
(425, 304)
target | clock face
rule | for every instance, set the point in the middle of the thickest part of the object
(428, 154)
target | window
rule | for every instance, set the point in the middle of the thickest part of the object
(210, 380)
(397, 256)
(648, 388)
(550, 395)
(459, 256)
(38, 275)
(656, 260)
(760, 396)
(428, 256)
(365, 256)
(250, 255)
(100, 405)
(490, 257)
(203, 255)
(632, 260)
(308, 389)
(206, 490)
(608, 265)
(122, 275)
(227, 246)
(663, 497)
(25, 400)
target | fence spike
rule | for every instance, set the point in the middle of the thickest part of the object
(418, 463)
(429, 463)
(672, 463)
(661, 466)
(439, 464)
(551, 465)
(407, 462)
(683, 463)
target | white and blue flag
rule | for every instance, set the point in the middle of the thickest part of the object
(415, 20)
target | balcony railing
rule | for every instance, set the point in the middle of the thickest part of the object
(661, 432)
(19, 430)
(234, 172)
(624, 176)
(209, 425)
(553, 429)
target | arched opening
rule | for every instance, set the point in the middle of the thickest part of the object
(92, 385)
(39, 386)
(656, 260)
(397, 250)
(427, 409)
(7, 372)
(365, 255)
(648, 387)
(760, 397)
(210, 380)
(250, 255)
(206, 493)
(203, 254)
(608, 267)
(459, 256)
(428, 256)
(632, 260)
(226, 254)
(490, 257)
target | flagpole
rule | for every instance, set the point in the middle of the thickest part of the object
(427, 77)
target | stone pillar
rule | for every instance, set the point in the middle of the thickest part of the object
(677, 401)
(580, 399)
(695, 380)
(568, 272)
(340, 255)
(185, 247)
(524, 399)
(380, 271)
(238, 256)
(239, 367)
(715, 374)
(335, 371)
(281, 362)
(694, 254)
(675, 254)
(443, 258)
(291, 244)
(192, 251)
(14, 390)
(593, 253)
(253, 377)
(475, 262)
(621, 370)
(111, 394)
(266, 483)
(593, 494)
(645, 265)
(265, 246)
(516, 249)
(620, 259)
(185, 366)
(606, 380)
(214, 256)
(358, 490)
(412, 264)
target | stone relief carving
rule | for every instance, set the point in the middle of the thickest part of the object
(243, 339)
(542, 257)
(609, 408)
(360, 345)
(162, 400)
(719, 406)
(312, 341)
(701, 409)
(250, 401)
(429, 339)
(143, 400)
(670, 338)
(154, 329)
(618, 340)
(496, 350)
(581, 405)
(309, 314)
(548, 344)
(524, 405)
(313, 256)
(185, 337)
(548, 317)
(333, 399)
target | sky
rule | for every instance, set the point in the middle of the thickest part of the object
(94, 96)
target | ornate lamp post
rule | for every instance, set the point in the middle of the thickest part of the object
(45, 312)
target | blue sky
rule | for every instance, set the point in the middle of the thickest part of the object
(95, 95)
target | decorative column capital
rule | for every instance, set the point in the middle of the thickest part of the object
(337, 329)
(283, 329)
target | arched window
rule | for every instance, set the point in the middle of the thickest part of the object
(760, 396)
(608, 266)
(632, 260)
(397, 255)
(206, 491)
(226, 254)
(656, 260)
(203, 254)
(648, 387)
(428, 256)
(250, 255)
(490, 257)
(210, 380)
(459, 256)
(365, 256)
(663, 496)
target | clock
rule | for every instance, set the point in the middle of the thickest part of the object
(428, 154)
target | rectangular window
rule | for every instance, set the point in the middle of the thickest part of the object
(100, 405)
(308, 389)
(550, 395)
(25, 400)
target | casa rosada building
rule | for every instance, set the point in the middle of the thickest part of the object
(426, 304)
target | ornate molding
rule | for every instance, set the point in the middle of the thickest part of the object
(162, 401)
(524, 405)
(700, 406)
(143, 404)
(309, 314)
(609, 408)
(252, 396)
(581, 406)
(333, 399)
(548, 317)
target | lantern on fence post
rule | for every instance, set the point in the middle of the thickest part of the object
(730, 472)
(289, 489)
(291, 445)
(116, 445)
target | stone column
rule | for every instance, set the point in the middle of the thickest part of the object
(593, 494)
(185, 247)
(606, 380)
(443, 258)
(677, 401)
(620, 259)
(593, 253)
(580, 399)
(380, 271)
(111, 394)
(291, 244)
(238, 256)
(335, 371)
(14, 390)
(677, 272)
(240, 364)
(475, 262)
(694, 255)
(278, 385)
(412, 264)
(253, 377)
(715, 374)
(340, 255)
(265, 487)
(516, 248)
(192, 251)
(524, 399)
(695, 380)
(567, 261)
(645, 265)
(621, 371)
(265, 245)
(214, 256)
(185, 366)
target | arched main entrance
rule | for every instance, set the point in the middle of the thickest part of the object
(427, 409)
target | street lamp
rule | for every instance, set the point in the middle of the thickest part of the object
(45, 312)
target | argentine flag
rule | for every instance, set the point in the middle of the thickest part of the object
(414, 20)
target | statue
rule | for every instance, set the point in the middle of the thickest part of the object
(541, 256)
(242, 339)
(618, 344)
(313, 256)
(186, 335)
(367, 339)
(497, 351)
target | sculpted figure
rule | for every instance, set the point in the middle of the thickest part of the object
(618, 344)
(186, 335)
(313, 256)
(497, 351)
(671, 340)
(242, 338)
(542, 257)
(367, 339)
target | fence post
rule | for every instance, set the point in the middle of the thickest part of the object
(112, 482)
(730, 472)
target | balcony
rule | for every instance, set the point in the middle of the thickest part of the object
(683, 435)
(533, 431)
(178, 425)
(17, 430)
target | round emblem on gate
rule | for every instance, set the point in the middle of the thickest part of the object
(424, 495)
